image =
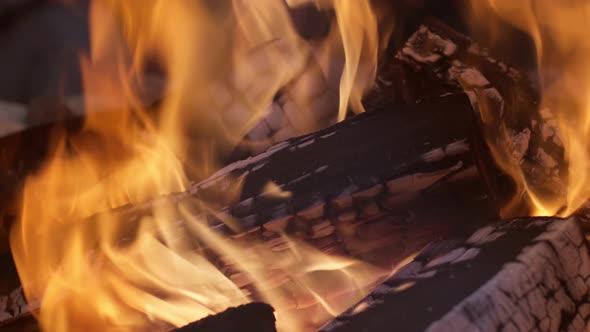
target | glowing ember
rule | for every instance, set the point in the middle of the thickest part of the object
(224, 61)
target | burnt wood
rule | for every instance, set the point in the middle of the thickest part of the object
(528, 274)
(397, 185)
(252, 317)
(508, 112)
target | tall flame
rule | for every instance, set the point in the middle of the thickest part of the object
(559, 32)
(95, 269)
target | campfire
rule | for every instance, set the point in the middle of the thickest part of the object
(279, 165)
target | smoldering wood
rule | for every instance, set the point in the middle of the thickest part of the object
(363, 152)
(518, 275)
(396, 190)
(507, 102)
(252, 317)
(409, 182)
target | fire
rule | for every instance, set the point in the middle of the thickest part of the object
(93, 268)
(559, 32)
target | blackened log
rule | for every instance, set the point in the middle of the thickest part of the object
(400, 181)
(507, 102)
(517, 275)
(252, 317)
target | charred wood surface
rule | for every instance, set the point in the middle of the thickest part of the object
(252, 317)
(511, 121)
(529, 274)
(401, 181)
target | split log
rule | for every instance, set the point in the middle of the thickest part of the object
(252, 317)
(517, 275)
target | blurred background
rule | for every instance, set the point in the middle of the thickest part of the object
(41, 41)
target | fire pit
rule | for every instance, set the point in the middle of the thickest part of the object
(287, 166)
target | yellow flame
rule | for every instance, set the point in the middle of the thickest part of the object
(559, 31)
(93, 268)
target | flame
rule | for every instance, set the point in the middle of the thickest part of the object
(94, 268)
(558, 30)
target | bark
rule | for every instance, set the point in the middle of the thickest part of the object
(528, 274)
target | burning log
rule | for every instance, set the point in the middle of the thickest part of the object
(378, 193)
(253, 317)
(520, 274)
(399, 180)
(522, 138)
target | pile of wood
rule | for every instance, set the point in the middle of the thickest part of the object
(416, 171)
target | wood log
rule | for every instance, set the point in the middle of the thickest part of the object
(520, 134)
(398, 188)
(390, 191)
(252, 317)
(528, 274)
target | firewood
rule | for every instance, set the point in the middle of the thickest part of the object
(519, 275)
(252, 317)
(507, 107)
(394, 187)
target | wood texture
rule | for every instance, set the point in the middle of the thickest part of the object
(529, 274)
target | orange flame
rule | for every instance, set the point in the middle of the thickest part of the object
(223, 61)
(559, 32)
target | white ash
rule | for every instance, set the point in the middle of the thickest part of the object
(258, 167)
(480, 235)
(447, 258)
(437, 46)
(384, 82)
(419, 181)
(472, 78)
(472, 98)
(420, 58)
(409, 271)
(518, 143)
(299, 179)
(321, 169)
(457, 148)
(328, 135)
(468, 255)
(425, 275)
(306, 143)
(492, 94)
(433, 155)
(242, 164)
(545, 160)
(453, 149)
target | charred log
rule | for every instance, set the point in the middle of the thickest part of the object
(393, 189)
(518, 275)
(515, 132)
(253, 317)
